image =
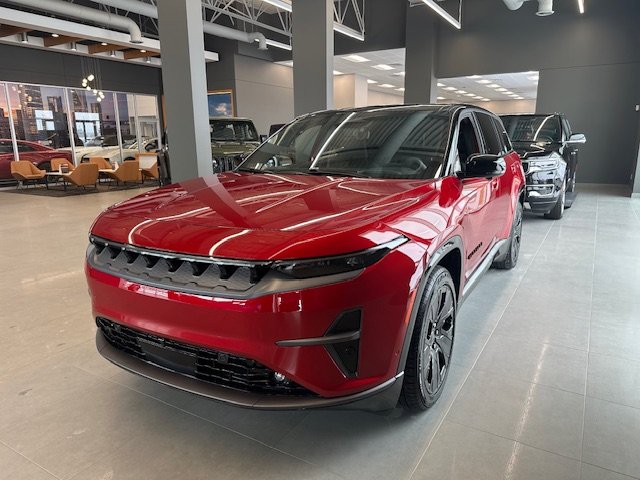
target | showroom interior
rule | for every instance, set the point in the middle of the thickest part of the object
(103, 102)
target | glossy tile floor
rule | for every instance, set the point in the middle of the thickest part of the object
(545, 385)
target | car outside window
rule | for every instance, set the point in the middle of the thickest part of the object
(25, 148)
(505, 142)
(533, 128)
(373, 143)
(6, 147)
(492, 142)
(232, 131)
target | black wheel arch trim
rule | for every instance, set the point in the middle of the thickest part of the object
(453, 243)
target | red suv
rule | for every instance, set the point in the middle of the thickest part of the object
(38, 154)
(326, 270)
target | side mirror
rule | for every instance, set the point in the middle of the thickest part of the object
(484, 166)
(577, 138)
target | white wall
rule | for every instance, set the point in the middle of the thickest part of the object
(381, 98)
(350, 91)
(264, 92)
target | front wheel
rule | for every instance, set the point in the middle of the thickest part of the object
(558, 209)
(431, 346)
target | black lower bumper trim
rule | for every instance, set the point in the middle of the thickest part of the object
(381, 397)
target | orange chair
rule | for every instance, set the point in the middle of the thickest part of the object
(24, 171)
(83, 175)
(57, 162)
(128, 172)
(103, 163)
(148, 165)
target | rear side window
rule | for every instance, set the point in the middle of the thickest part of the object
(25, 148)
(6, 147)
(493, 145)
(502, 133)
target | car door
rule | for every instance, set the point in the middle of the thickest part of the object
(476, 194)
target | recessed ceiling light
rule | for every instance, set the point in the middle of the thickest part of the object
(382, 66)
(55, 35)
(486, 100)
(460, 92)
(478, 97)
(501, 89)
(581, 6)
(493, 85)
(469, 94)
(369, 81)
(474, 77)
(507, 93)
(336, 72)
(143, 51)
(400, 74)
(401, 89)
(387, 85)
(356, 58)
(450, 88)
(441, 84)
(484, 81)
(441, 98)
(104, 44)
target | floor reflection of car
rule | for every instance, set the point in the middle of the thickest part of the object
(326, 269)
(129, 150)
(40, 155)
(549, 151)
(231, 140)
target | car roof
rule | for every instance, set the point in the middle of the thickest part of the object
(449, 109)
(231, 119)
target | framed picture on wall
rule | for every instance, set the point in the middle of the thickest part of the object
(220, 103)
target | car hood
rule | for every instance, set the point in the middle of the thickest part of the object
(529, 149)
(263, 216)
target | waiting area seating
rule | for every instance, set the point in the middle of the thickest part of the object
(56, 163)
(101, 162)
(148, 165)
(84, 175)
(24, 171)
(128, 172)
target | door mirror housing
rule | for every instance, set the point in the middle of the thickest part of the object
(484, 166)
(577, 138)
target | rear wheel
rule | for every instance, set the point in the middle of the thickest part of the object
(511, 258)
(558, 210)
(429, 356)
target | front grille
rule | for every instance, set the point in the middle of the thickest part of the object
(211, 366)
(225, 163)
(172, 271)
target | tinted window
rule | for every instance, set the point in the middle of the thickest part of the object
(6, 147)
(376, 143)
(25, 148)
(504, 138)
(232, 131)
(491, 140)
(567, 127)
(533, 128)
(468, 143)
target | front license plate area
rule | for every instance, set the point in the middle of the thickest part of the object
(168, 357)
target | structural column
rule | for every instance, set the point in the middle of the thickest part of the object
(184, 82)
(420, 82)
(312, 55)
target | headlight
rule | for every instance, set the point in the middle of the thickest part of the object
(546, 163)
(318, 267)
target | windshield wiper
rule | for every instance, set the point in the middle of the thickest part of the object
(258, 170)
(337, 173)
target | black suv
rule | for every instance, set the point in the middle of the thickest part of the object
(549, 152)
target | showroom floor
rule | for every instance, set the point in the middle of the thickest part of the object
(545, 385)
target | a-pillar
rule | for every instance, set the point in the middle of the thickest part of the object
(184, 82)
(420, 82)
(312, 55)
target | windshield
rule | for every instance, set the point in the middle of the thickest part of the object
(533, 128)
(384, 143)
(232, 131)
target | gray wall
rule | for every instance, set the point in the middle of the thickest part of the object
(589, 64)
(31, 65)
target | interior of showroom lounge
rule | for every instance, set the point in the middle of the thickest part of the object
(332, 239)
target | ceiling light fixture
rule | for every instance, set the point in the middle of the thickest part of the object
(485, 100)
(484, 81)
(450, 88)
(24, 38)
(369, 81)
(387, 85)
(400, 74)
(283, 46)
(441, 84)
(73, 47)
(493, 85)
(401, 89)
(112, 53)
(501, 89)
(55, 35)
(104, 44)
(469, 94)
(441, 98)
(382, 66)
(475, 77)
(461, 92)
(443, 13)
(336, 72)
(356, 58)
(147, 60)
(581, 6)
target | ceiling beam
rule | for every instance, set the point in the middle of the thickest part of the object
(60, 40)
(7, 30)
(109, 47)
(136, 53)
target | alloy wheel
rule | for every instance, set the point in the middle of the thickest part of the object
(437, 341)
(516, 236)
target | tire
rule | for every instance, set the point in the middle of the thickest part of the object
(558, 209)
(431, 343)
(515, 239)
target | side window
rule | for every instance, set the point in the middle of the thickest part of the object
(468, 143)
(6, 147)
(504, 137)
(492, 142)
(25, 148)
(567, 128)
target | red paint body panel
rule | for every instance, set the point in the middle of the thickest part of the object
(40, 154)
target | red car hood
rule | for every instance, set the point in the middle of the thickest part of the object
(263, 216)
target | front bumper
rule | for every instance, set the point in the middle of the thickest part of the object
(543, 190)
(265, 329)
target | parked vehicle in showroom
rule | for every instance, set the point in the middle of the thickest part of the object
(231, 140)
(128, 152)
(549, 152)
(327, 270)
(39, 155)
